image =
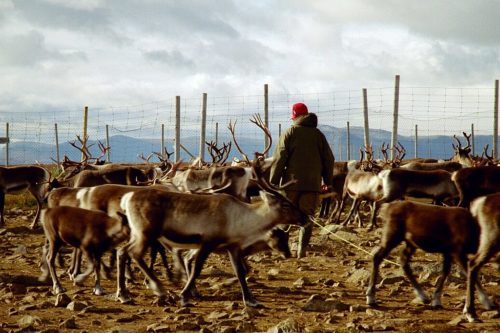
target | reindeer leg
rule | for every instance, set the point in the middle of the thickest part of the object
(153, 253)
(2, 210)
(436, 296)
(334, 210)
(391, 238)
(164, 260)
(122, 294)
(240, 270)
(406, 255)
(91, 267)
(374, 210)
(54, 246)
(338, 213)
(199, 260)
(98, 290)
(43, 263)
(136, 252)
(37, 214)
(187, 259)
(473, 266)
(354, 207)
(325, 207)
(76, 262)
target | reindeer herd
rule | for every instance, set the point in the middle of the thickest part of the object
(193, 209)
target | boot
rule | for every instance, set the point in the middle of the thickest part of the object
(304, 238)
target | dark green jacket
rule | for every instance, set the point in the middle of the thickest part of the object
(302, 151)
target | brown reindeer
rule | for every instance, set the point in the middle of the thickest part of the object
(125, 175)
(14, 179)
(477, 181)
(92, 232)
(451, 231)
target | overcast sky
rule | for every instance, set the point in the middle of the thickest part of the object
(58, 54)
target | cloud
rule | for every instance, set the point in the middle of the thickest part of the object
(89, 19)
(473, 22)
(130, 51)
(172, 58)
(30, 49)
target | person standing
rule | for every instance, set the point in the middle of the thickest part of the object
(303, 153)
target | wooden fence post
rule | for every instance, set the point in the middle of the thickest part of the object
(108, 153)
(203, 127)
(473, 143)
(365, 115)
(162, 144)
(57, 145)
(266, 112)
(7, 144)
(348, 144)
(394, 138)
(495, 122)
(416, 141)
(216, 134)
(85, 122)
(177, 128)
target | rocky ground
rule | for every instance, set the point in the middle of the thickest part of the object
(323, 292)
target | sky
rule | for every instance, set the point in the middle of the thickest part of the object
(58, 54)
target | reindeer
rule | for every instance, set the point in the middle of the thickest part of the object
(477, 181)
(105, 198)
(363, 184)
(235, 180)
(451, 231)
(486, 210)
(19, 178)
(449, 166)
(462, 154)
(204, 222)
(435, 184)
(92, 232)
(275, 239)
(125, 175)
(360, 185)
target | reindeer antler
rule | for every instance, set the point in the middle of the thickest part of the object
(257, 120)
(231, 128)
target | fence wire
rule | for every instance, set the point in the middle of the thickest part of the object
(438, 113)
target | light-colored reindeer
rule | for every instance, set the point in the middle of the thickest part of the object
(203, 222)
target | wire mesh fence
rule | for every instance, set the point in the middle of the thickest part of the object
(428, 119)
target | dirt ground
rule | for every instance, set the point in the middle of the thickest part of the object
(323, 292)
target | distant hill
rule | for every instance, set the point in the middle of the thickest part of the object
(127, 149)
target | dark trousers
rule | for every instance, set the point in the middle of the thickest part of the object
(307, 203)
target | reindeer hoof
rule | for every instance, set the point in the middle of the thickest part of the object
(98, 291)
(186, 302)
(253, 304)
(194, 293)
(43, 277)
(161, 301)
(59, 290)
(124, 297)
(436, 304)
(472, 318)
(371, 301)
(79, 279)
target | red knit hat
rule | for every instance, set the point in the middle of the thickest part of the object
(299, 109)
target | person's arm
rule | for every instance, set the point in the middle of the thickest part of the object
(280, 157)
(328, 160)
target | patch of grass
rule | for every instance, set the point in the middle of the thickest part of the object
(22, 200)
